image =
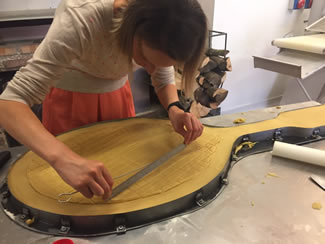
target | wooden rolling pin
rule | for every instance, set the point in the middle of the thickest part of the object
(299, 153)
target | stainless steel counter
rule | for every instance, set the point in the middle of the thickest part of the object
(253, 208)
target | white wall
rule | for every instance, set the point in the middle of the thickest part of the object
(251, 26)
(13, 5)
(16, 5)
(208, 8)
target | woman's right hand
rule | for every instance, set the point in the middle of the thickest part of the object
(89, 177)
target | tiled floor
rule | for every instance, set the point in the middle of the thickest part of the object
(3, 143)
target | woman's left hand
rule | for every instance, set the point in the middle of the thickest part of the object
(185, 124)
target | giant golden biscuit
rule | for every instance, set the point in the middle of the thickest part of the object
(129, 144)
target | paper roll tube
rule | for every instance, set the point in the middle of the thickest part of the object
(299, 153)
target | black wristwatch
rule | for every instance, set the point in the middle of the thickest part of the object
(177, 104)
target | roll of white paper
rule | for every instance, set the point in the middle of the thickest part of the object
(299, 153)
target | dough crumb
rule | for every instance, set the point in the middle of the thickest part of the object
(30, 221)
(248, 144)
(317, 205)
(263, 182)
(271, 174)
(239, 121)
(252, 203)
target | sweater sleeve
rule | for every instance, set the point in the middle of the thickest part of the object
(64, 42)
(162, 77)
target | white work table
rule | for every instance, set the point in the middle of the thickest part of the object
(253, 208)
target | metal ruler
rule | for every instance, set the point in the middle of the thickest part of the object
(148, 169)
(133, 179)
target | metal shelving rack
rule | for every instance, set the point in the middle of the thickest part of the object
(213, 33)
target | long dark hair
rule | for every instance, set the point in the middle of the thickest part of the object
(177, 28)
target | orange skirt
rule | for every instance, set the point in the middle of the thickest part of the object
(65, 110)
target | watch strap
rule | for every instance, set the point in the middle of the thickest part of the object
(177, 104)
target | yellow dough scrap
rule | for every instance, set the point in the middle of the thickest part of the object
(30, 221)
(317, 205)
(271, 174)
(239, 121)
(247, 143)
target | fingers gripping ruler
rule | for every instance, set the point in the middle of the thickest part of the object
(133, 179)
